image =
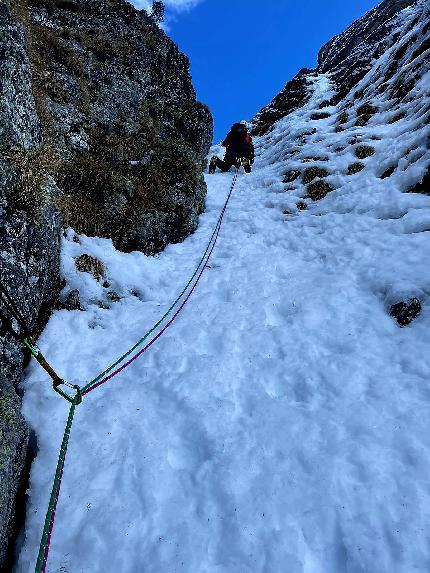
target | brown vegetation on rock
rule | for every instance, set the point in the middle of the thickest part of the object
(311, 173)
(355, 168)
(88, 264)
(365, 112)
(318, 190)
(397, 117)
(363, 151)
(343, 117)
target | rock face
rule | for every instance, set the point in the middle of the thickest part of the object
(364, 33)
(347, 58)
(29, 255)
(99, 130)
(361, 118)
(294, 95)
(124, 135)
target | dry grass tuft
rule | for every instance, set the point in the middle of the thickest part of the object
(318, 190)
(34, 170)
(343, 117)
(355, 168)
(88, 264)
(363, 151)
(397, 117)
(311, 173)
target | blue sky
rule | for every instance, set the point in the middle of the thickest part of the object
(242, 52)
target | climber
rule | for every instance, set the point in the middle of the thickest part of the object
(239, 150)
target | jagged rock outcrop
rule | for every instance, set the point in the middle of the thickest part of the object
(294, 95)
(99, 130)
(124, 135)
(347, 58)
(369, 29)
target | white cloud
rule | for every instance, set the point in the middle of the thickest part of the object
(176, 5)
(143, 4)
(182, 5)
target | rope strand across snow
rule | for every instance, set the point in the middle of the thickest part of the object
(108, 374)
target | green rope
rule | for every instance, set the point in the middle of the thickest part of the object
(31, 348)
(157, 324)
(47, 528)
(50, 514)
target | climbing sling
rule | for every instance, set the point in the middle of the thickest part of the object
(26, 339)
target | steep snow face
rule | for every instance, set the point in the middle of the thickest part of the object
(375, 140)
(349, 56)
(282, 424)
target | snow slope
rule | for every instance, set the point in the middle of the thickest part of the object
(281, 426)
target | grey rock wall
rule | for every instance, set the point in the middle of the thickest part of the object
(127, 137)
(348, 56)
(294, 95)
(29, 254)
(365, 32)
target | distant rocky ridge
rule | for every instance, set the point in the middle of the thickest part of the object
(347, 57)
(379, 75)
(100, 130)
(364, 123)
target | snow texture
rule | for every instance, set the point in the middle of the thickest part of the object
(281, 426)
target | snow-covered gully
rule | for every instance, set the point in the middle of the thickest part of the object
(282, 425)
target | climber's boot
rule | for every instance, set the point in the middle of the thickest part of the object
(246, 165)
(212, 164)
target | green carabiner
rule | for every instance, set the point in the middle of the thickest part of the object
(76, 399)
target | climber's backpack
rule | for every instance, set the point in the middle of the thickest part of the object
(238, 135)
(239, 129)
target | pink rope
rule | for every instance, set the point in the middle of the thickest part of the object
(136, 356)
(172, 320)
